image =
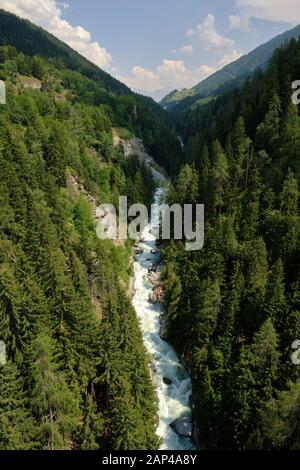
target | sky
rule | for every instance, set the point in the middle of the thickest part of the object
(155, 46)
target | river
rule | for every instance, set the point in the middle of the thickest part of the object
(174, 397)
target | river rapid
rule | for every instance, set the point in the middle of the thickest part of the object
(171, 380)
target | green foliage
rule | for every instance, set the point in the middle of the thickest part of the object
(234, 306)
(279, 423)
(77, 374)
(16, 425)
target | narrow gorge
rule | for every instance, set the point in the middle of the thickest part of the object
(171, 379)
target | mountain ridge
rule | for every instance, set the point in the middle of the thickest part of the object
(34, 39)
(233, 74)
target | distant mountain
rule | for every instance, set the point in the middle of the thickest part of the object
(232, 75)
(32, 40)
(155, 95)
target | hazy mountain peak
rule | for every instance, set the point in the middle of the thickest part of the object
(232, 74)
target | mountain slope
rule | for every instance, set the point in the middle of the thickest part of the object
(143, 115)
(233, 74)
(233, 308)
(32, 40)
(77, 373)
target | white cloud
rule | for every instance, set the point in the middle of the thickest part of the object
(48, 15)
(64, 5)
(168, 74)
(172, 66)
(171, 74)
(239, 22)
(188, 49)
(205, 70)
(287, 11)
(190, 32)
(208, 35)
(229, 57)
(142, 79)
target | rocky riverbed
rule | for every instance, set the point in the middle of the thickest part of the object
(171, 379)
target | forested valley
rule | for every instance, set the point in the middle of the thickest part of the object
(77, 372)
(233, 307)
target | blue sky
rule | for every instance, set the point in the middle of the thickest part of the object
(158, 45)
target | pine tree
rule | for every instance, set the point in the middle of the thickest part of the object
(279, 422)
(290, 137)
(187, 186)
(54, 406)
(16, 425)
(240, 157)
(84, 224)
(219, 177)
(255, 281)
(55, 153)
(268, 132)
(231, 311)
(252, 382)
(276, 307)
(90, 437)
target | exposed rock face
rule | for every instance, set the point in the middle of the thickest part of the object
(104, 217)
(183, 426)
(30, 82)
(159, 293)
(152, 297)
(154, 278)
(164, 326)
(106, 222)
(135, 146)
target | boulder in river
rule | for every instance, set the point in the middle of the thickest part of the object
(167, 381)
(164, 326)
(152, 268)
(183, 426)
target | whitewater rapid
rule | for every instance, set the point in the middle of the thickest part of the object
(173, 399)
